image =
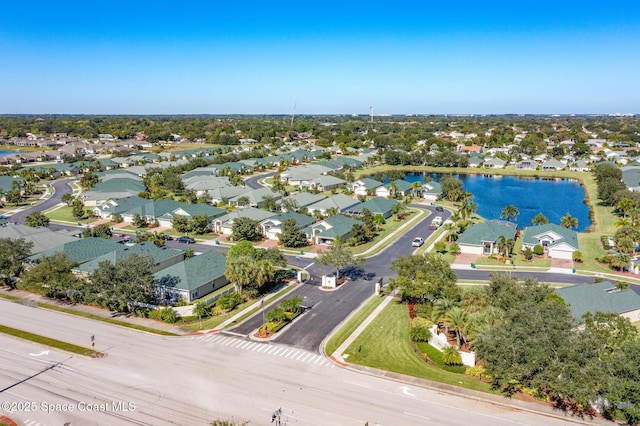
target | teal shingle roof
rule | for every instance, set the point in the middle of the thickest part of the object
(195, 271)
(486, 231)
(533, 235)
(158, 254)
(602, 297)
(84, 249)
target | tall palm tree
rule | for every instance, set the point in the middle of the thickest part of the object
(625, 205)
(539, 219)
(510, 212)
(569, 221)
(450, 227)
(393, 189)
(416, 188)
(467, 208)
(440, 309)
(458, 319)
(505, 245)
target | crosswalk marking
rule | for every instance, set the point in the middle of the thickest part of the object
(269, 348)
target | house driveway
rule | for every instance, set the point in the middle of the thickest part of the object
(465, 259)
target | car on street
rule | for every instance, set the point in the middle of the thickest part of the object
(417, 242)
(439, 209)
(167, 237)
(185, 239)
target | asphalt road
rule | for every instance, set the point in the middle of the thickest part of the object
(152, 380)
(60, 187)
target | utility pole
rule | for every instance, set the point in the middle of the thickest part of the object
(275, 417)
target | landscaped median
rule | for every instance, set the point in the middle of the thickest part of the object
(280, 316)
(58, 344)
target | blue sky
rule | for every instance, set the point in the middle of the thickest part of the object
(215, 57)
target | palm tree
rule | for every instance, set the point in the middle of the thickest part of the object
(393, 189)
(625, 205)
(510, 212)
(450, 227)
(237, 271)
(569, 221)
(623, 222)
(458, 319)
(416, 188)
(454, 195)
(505, 245)
(467, 208)
(539, 219)
(440, 309)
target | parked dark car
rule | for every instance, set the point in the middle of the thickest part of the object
(167, 237)
(185, 239)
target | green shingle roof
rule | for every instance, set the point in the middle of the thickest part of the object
(195, 271)
(158, 254)
(533, 235)
(84, 249)
(602, 297)
(486, 231)
(375, 205)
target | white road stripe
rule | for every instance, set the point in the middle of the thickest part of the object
(292, 354)
(300, 356)
(278, 351)
(245, 345)
(305, 358)
(273, 348)
(286, 352)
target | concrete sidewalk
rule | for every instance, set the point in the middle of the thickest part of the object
(337, 356)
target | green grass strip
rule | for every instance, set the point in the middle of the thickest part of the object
(352, 323)
(69, 347)
(107, 320)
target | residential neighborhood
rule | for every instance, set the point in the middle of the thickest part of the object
(205, 232)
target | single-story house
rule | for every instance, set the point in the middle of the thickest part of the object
(192, 278)
(601, 297)
(163, 257)
(377, 205)
(396, 187)
(474, 162)
(327, 230)
(558, 242)
(112, 188)
(323, 183)
(580, 166)
(365, 185)
(340, 202)
(224, 224)
(42, 237)
(303, 199)
(527, 165)
(272, 226)
(255, 197)
(495, 163)
(482, 238)
(553, 165)
(431, 191)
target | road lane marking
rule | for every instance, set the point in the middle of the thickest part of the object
(416, 415)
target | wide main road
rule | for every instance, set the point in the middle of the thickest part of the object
(151, 380)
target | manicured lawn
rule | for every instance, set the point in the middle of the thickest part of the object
(519, 261)
(349, 327)
(389, 227)
(64, 214)
(385, 345)
(58, 344)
